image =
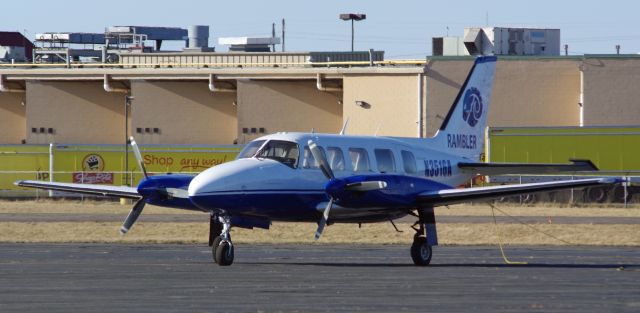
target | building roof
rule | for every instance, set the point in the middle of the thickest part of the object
(14, 39)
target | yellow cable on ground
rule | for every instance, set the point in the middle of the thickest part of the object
(504, 256)
(534, 228)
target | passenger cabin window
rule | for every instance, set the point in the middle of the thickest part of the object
(409, 162)
(285, 152)
(308, 160)
(386, 163)
(336, 158)
(250, 150)
(359, 160)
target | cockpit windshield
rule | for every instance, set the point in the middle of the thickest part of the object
(250, 149)
(285, 152)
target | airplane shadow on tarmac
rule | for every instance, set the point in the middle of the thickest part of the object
(634, 267)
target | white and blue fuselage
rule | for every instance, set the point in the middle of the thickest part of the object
(276, 177)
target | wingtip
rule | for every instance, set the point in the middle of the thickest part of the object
(123, 231)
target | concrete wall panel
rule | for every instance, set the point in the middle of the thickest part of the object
(388, 101)
(526, 92)
(286, 106)
(12, 118)
(183, 113)
(444, 79)
(78, 112)
(611, 91)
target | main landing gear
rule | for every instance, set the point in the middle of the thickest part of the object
(220, 239)
(425, 238)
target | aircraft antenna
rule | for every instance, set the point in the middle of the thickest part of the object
(344, 127)
(377, 129)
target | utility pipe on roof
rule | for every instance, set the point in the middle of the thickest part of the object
(109, 88)
(324, 88)
(4, 88)
(214, 88)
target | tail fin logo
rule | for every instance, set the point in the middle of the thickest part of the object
(472, 106)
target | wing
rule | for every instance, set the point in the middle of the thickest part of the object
(102, 190)
(527, 168)
(452, 196)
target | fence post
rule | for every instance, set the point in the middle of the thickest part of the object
(51, 146)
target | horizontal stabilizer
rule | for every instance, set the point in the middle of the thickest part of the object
(100, 190)
(453, 196)
(527, 168)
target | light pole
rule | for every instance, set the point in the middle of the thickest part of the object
(352, 17)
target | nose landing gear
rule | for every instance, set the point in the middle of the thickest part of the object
(220, 240)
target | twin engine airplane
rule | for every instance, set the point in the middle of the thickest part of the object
(324, 178)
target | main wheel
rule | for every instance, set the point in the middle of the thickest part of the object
(215, 243)
(224, 254)
(421, 251)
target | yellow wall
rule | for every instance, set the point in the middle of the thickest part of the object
(286, 106)
(611, 91)
(79, 112)
(12, 118)
(391, 103)
(184, 112)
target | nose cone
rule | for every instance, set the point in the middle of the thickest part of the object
(211, 188)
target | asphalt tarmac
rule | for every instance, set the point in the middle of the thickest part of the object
(315, 278)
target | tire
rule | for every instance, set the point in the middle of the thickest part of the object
(224, 254)
(421, 252)
(528, 198)
(597, 195)
(618, 196)
(214, 246)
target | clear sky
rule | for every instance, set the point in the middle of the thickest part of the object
(401, 28)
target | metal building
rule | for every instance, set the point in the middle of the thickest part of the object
(500, 41)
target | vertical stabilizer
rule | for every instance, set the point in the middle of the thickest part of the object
(462, 132)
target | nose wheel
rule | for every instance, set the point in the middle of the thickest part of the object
(221, 245)
(421, 251)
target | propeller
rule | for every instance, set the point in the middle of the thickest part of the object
(326, 170)
(319, 156)
(139, 205)
(136, 152)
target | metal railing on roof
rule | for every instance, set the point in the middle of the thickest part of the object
(214, 65)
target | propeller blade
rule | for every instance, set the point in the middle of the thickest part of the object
(321, 159)
(323, 220)
(133, 216)
(136, 152)
(366, 185)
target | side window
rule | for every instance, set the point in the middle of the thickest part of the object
(359, 160)
(386, 163)
(409, 162)
(308, 161)
(336, 158)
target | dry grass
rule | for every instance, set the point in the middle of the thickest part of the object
(96, 207)
(382, 233)
(449, 234)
